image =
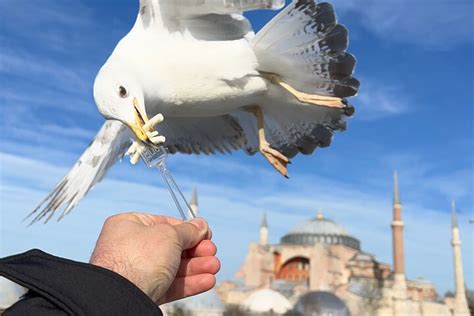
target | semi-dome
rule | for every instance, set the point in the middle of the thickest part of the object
(267, 300)
(320, 303)
(320, 230)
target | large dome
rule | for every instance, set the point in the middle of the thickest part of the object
(320, 304)
(267, 300)
(320, 230)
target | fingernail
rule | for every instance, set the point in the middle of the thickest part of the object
(199, 223)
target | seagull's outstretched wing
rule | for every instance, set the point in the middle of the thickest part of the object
(187, 8)
(214, 20)
(208, 135)
(110, 144)
(290, 132)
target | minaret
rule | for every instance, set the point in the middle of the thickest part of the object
(460, 303)
(194, 202)
(264, 231)
(399, 280)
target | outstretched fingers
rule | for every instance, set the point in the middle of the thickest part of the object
(199, 265)
(205, 248)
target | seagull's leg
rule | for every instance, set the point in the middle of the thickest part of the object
(315, 99)
(138, 147)
(274, 157)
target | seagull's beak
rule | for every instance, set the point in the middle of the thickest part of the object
(140, 120)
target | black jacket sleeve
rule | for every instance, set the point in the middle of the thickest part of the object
(63, 287)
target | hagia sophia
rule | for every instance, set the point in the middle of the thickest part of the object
(319, 268)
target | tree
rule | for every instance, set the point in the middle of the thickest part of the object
(234, 310)
(371, 294)
(178, 310)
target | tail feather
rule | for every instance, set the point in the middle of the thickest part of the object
(305, 45)
(300, 23)
(342, 88)
(338, 67)
(335, 41)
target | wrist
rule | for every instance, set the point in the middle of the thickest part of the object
(123, 267)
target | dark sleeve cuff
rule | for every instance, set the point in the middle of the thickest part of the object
(77, 288)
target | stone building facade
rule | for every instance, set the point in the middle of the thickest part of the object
(321, 255)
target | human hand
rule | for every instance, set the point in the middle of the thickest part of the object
(166, 258)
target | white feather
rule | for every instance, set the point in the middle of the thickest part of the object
(109, 145)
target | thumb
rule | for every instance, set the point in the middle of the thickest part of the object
(191, 233)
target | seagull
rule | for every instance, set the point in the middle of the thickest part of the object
(193, 76)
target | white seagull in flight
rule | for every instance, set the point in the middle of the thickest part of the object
(209, 84)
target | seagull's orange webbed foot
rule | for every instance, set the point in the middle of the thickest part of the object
(275, 158)
(314, 99)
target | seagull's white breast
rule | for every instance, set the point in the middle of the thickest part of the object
(182, 76)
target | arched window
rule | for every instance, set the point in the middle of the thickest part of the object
(295, 270)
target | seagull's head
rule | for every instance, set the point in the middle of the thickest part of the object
(119, 96)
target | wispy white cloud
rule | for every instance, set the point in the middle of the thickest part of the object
(27, 123)
(377, 100)
(438, 24)
(33, 13)
(24, 65)
(52, 136)
(44, 74)
(47, 83)
(56, 25)
(455, 185)
(422, 178)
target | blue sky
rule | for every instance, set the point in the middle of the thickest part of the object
(415, 62)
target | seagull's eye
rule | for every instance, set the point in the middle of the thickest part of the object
(123, 93)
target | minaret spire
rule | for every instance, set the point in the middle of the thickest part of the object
(264, 221)
(396, 190)
(264, 231)
(399, 279)
(454, 215)
(460, 303)
(193, 203)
